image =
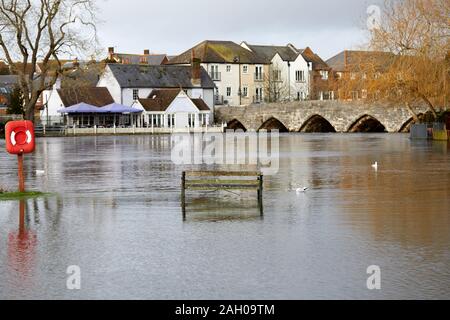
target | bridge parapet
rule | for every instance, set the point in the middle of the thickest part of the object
(300, 116)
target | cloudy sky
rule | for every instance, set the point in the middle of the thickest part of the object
(173, 26)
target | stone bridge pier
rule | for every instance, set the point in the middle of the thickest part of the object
(319, 116)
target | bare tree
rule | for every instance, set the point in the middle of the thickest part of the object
(276, 88)
(35, 34)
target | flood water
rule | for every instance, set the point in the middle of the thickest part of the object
(116, 214)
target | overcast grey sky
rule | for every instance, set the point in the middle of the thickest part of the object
(173, 26)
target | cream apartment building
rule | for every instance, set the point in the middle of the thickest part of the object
(239, 74)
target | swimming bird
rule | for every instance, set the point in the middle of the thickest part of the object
(302, 190)
(40, 172)
(375, 166)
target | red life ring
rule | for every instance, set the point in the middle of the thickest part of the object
(20, 137)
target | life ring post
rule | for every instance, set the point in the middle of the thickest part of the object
(20, 173)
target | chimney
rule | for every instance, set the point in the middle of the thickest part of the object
(196, 70)
(146, 52)
(110, 53)
(345, 59)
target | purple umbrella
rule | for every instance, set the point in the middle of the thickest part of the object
(81, 108)
(118, 108)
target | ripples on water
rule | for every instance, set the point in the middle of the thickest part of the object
(117, 215)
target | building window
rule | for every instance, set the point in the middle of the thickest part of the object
(245, 69)
(228, 68)
(364, 94)
(301, 96)
(156, 120)
(135, 94)
(300, 76)
(228, 91)
(245, 92)
(324, 74)
(259, 95)
(354, 95)
(191, 120)
(276, 75)
(214, 73)
(171, 120)
(326, 95)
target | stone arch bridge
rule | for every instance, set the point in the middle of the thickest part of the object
(319, 116)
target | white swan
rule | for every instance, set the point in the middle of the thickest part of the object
(302, 190)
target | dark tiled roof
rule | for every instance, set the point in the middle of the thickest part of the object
(145, 76)
(317, 62)
(268, 52)
(96, 96)
(350, 60)
(150, 59)
(218, 52)
(87, 75)
(201, 105)
(159, 100)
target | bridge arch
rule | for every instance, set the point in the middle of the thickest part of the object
(273, 124)
(317, 124)
(367, 124)
(236, 125)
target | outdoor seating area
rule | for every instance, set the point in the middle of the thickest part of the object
(83, 115)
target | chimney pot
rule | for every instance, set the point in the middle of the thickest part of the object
(196, 70)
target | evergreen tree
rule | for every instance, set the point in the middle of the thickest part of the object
(16, 102)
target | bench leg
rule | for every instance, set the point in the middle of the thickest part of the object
(183, 195)
(260, 195)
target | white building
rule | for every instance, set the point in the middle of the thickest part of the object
(293, 72)
(128, 83)
(173, 108)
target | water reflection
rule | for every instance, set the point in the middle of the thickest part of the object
(22, 244)
(219, 206)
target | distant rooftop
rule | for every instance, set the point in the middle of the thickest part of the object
(348, 60)
(145, 58)
(212, 51)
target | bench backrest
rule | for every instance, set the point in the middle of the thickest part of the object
(225, 180)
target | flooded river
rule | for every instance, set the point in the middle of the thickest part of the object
(115, 212)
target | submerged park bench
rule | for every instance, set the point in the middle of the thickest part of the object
(222, 180)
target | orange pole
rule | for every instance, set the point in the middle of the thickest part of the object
(21, 217)
(21, 178)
